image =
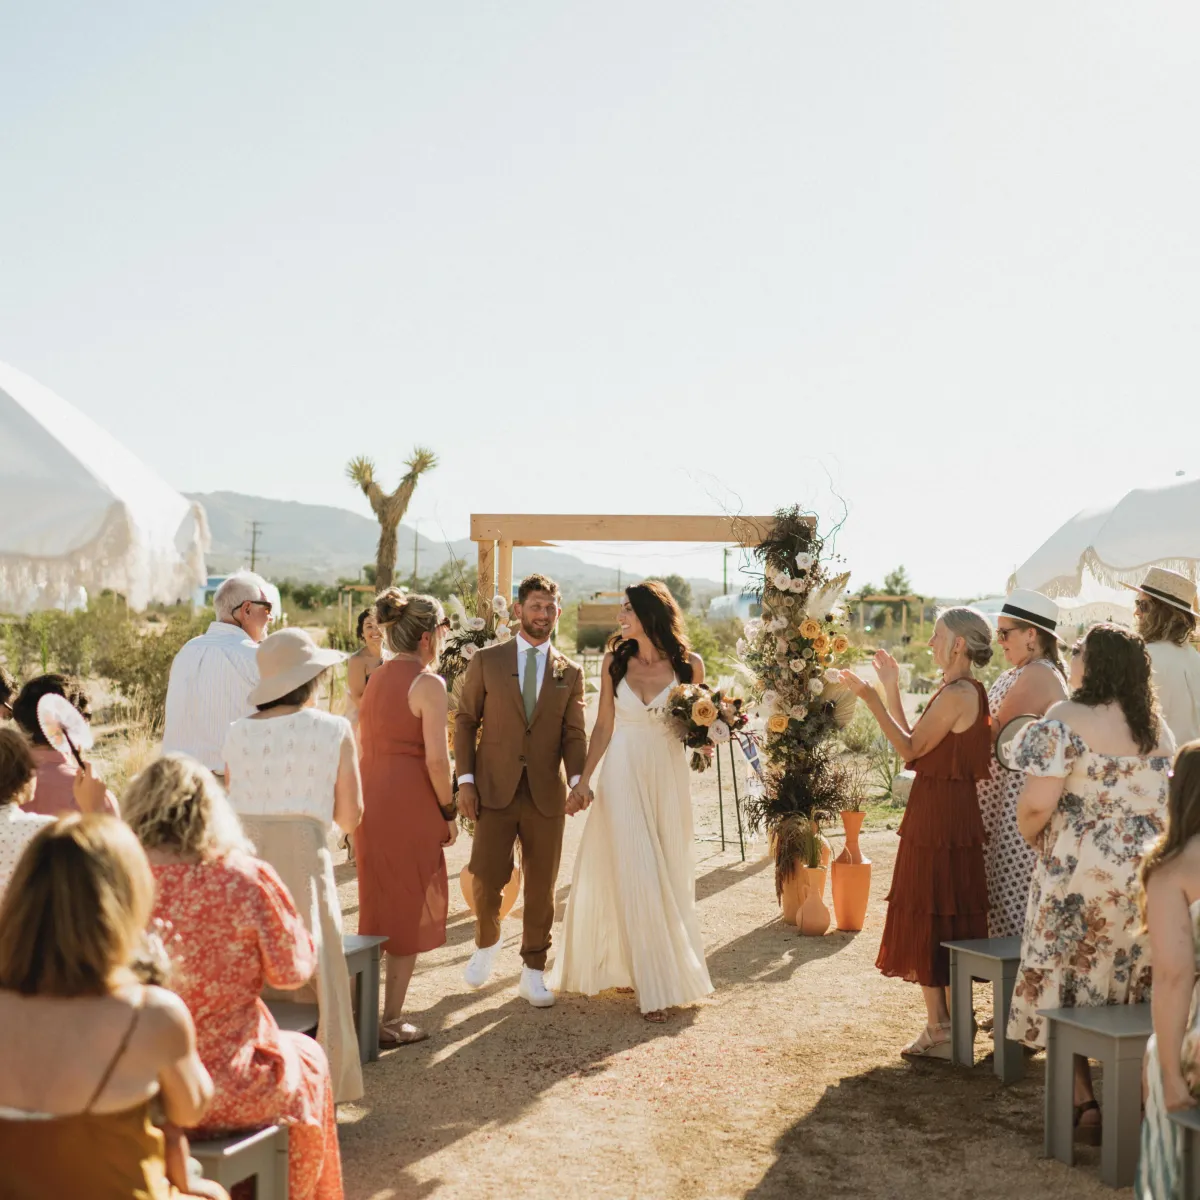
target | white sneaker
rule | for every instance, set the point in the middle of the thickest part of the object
(533, 988)
(479, 969)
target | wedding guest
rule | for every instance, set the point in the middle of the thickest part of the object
(1171, 912)
(292, 773)
(1027, 630)
(236, 930)
(1094, 800)
(361, 665)
(55, 790)
(85, 1047)
(212, 674)
(939, 886)
(1166, 620)
(18, 772)
(8, 690)
(408, 805)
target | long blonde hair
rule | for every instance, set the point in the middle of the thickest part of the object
(176, 805)
(75, 909)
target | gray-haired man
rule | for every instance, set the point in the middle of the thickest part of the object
(212, 674)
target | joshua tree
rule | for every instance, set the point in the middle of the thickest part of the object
(389, 510)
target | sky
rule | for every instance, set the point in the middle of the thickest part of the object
(932, 266)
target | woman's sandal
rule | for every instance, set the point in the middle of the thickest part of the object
(1087, 1133)
(925, 1045)
(399, 1033)
(657, 1017)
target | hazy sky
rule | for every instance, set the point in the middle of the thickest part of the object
(636, 257)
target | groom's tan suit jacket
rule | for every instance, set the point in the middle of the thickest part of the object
(493, 741)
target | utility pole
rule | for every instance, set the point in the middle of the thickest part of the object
(618, 579)
(725, 572)
(255, 531)
(416, 548)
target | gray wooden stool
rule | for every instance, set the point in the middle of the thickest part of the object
(296, 1018)
(1116, 1035)
(261, 1155)
(994, 960)
(1189, 1121)
(362, 961)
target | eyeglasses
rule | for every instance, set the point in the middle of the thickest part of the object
(1002, 635)
(266, 604)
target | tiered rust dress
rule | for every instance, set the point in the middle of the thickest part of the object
(403, 893)
(939, 883)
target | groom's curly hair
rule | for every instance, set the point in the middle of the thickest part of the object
(536, 583)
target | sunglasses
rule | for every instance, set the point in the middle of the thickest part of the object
(264, 604)
(1002, 635)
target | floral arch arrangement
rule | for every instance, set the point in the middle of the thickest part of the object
(794, 651)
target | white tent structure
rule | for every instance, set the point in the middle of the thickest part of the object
(1107, 546)
(79, 513)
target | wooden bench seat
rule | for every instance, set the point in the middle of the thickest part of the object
(258, 1154)
(994, 960)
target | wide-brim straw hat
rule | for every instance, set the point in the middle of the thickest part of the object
(1168, 586)
(1033, 608)
(286, 660)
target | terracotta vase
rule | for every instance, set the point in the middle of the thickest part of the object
(813, 918)
(793, 894)
(850, 878)
(508, 896)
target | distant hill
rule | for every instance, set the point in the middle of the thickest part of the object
(319, 544)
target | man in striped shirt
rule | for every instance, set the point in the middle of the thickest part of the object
(212, 674)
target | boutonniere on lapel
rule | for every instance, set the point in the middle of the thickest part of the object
(560, 670)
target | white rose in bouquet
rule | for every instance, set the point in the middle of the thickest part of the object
(798, 665)
(778, 624)
(833, 675)
(752, 629)
(798, 585)
(816, 685)
(782, 581)
(475, 624)
(503, 633)
(769, 701)
(781, 644)
(740, 648)
(804, 561)
(798, 712)
(718, 733)
(469, 651)
(499, 604)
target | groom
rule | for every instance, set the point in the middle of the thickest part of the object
(528, 699)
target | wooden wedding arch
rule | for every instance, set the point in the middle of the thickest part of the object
(496, 534)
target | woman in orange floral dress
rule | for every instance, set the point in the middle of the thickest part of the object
(234, 929)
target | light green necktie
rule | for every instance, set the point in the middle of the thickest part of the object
(529, 683)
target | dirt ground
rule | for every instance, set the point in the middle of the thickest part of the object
(785, 1083)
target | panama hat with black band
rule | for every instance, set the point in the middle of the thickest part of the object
(1168, 586)
(1033, 609)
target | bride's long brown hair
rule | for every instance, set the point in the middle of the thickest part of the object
(655, 607)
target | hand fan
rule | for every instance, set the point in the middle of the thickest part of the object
(1008, 737)
(63, 727)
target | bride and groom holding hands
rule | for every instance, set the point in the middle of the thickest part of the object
(631, 920)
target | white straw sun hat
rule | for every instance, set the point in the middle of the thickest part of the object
(286, 660)
(1034, 609)
(1168, 586)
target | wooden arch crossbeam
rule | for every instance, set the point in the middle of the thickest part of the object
(497, 533)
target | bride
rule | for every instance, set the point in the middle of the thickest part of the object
(631, 918)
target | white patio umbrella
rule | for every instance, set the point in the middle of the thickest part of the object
(79, 513)
(1150, 526)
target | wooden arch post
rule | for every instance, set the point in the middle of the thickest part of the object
(496, 534)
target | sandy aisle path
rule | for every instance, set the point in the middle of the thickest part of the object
(786, 1083)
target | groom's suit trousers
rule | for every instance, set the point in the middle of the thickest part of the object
(496, 833)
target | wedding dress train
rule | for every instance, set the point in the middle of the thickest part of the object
(631, 917)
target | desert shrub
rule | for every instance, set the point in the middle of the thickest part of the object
(590, 638)
(859, 736)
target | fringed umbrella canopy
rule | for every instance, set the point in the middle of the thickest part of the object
(80, 512)
(1152, 526)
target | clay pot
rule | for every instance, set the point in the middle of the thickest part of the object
(850, 878)
(508, 896)
(813, 918)
(793, 894)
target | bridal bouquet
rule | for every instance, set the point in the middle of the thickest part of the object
(700, 718)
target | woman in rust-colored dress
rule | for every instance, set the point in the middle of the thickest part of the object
(939, 884)
(408, 805)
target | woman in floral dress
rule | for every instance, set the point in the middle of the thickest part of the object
(233, 929)
(1026, 628)
(1094, 802)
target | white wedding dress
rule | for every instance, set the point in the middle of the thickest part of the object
(631, 917)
